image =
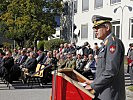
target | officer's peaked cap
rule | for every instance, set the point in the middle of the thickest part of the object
(98, 20)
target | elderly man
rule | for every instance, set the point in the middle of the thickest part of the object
(109, 83)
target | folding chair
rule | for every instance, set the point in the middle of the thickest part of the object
(38, 75)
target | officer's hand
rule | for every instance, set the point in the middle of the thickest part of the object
(88, 81)
(88, 87)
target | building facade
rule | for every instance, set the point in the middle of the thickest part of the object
(120, 10)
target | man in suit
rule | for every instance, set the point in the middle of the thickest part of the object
(6, 65)
(109, 83)
(31, 63)
(90, 67)
(22, 58)
(41, 55)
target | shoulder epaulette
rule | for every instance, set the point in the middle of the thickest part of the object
(106, 42)
(113, 38)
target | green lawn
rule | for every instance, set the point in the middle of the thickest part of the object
(130, 88)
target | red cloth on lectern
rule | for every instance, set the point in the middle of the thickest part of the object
(65, 90)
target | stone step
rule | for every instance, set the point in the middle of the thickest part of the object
(128, 81)
(127, 75)
(127, 78)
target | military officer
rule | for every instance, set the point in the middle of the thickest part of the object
(109, 83)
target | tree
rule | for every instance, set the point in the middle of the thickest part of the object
(30, 20)
(3, 5)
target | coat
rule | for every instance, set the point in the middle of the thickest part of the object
(22, 59)
(109, 83)
(31, 65)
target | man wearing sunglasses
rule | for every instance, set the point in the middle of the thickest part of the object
(109, 83)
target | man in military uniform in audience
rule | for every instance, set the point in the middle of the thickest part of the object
(109, 83)
(70, 63)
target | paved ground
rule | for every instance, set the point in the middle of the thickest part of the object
(18, 91)
(25, 94)
(129, 94)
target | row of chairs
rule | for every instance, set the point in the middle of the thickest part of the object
(41, 75)
(37, 76)
(29, 78)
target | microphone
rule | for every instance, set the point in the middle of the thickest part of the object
(79, 47)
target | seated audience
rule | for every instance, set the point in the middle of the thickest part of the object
(41, 55)
(70, 63)
(6, 65)
(79, 63)
(31, 63)
(89, 69)
(22, 58)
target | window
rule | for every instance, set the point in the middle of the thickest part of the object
(98, 3)
(85, 5)
(84, 31)
(115, 1)
(131, 28)
(75, 6)
(94, 35)
(116, 28)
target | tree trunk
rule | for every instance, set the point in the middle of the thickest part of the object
(35, 42)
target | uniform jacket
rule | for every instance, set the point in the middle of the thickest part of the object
(109, 83)
(70, 64)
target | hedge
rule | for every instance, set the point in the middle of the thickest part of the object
(51, 44)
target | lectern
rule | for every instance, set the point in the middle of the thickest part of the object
(65, 86)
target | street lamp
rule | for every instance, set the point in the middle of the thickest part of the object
(69, 18)
(122, 9)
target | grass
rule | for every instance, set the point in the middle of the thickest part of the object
(130, 88)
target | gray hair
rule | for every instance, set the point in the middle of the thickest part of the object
(108, 24)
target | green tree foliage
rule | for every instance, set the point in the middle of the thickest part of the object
(40, 44)
(3, 5)
(6, 44)
(28, 20)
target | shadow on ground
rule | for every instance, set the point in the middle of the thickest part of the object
(20, 85)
